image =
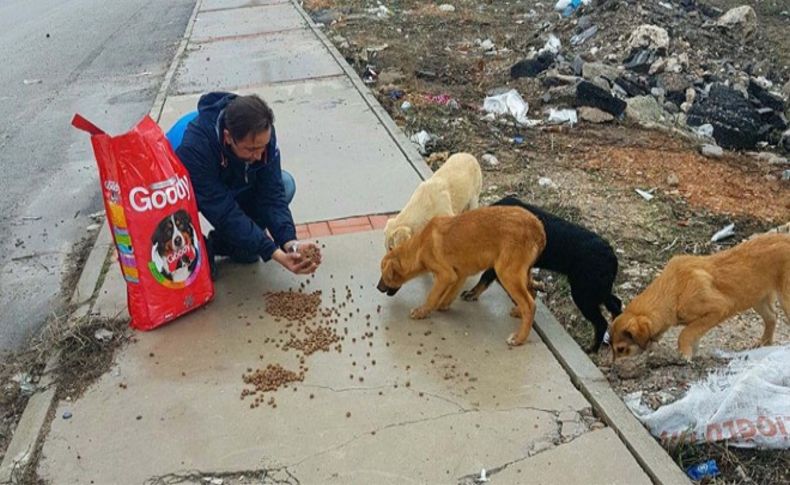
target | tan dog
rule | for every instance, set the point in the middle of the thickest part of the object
(508, 239)
(452, 189)
(702, 291)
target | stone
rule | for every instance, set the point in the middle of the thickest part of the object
(736, 123)
(594, 115)
(765, 97)
(674, 86)
(446, 7)
(602, 83)
(633, 84)
(644, 109)
(592, 70)
(532, 67)
(671, 107)
(490, 160)
(640, 60)
(588, 94)
(741, 20)
(712, 151)
(650, 37)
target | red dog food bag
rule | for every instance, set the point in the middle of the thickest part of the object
(152, 212)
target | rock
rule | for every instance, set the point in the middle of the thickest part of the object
(766, 98)
(736, 123)
(650, 37)
(673, 180)
(594, 115)
(658, 66)
(671, 107)
(658, 93)
(532, 67)
(588, 94)
(712, 151)
(546, 183)
(581, 38)
(487, 45)
(674, 86)
(644, 109)
(490, 160)
(592, 70)
(640, 60)
(325, 16)
(741, 20)
(601, 83)
(584, 23)
(784, 141)
(563, 95)
(446, 7)
(633, 84)
(786, 90)
(578, 65)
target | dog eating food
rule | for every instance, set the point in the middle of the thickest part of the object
(508, 239)
(700, 292)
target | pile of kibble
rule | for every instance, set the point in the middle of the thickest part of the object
(320, 337)
(311, 253)
(273, 377)
(293, 305)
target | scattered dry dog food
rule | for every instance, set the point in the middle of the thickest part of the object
(273, 377)
(293, 305)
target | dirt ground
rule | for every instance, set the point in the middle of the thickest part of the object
(426, 56)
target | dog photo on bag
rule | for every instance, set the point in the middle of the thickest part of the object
(174, 251)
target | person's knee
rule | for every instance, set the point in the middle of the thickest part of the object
(290, 186)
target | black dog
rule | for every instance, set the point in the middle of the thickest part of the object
(583, 256)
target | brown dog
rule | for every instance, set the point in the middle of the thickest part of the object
(508, 239)
(702, 291)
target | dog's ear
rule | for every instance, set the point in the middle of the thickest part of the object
(401, 234)
(639, 331)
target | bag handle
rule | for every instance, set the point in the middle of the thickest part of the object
(82, 124)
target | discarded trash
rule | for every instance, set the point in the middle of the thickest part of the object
(482, 478)
(563, 116)
(442, 100)
(567, 7)
(509, 103)
(581, 38)
(405, 106)
(786, 175)
(446, 7)
(728, 231)
(28, 82)
(645, 195)
(708, 469)
(369, 76)
(396, 94)
(487, 45)
(532, 67)
(381, 11)
(490, 160)
(422, 139)
(553, 45)
(744, 404)
(546, 182)
(67, 415)
(518, 139)
(103, 335)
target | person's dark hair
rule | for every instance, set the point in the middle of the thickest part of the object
(248, 114)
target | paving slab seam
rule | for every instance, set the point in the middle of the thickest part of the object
(272, 83)
(39, 405)
(211, 40)
(406, 147)
(649, 454)
(239, 7)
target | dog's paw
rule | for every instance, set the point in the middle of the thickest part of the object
(515, 312)
(418, 313)
(513, 341)
(443, 308)
(469, 295)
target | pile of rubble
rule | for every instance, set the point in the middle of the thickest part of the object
(656, 77)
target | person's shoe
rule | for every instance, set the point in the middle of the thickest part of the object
(212, 263)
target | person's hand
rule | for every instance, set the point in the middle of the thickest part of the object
(295, 259)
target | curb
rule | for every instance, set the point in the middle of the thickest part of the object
(653, 459)
(405, 146)
(28, 431)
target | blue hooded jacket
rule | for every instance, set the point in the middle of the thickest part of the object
(221, 180)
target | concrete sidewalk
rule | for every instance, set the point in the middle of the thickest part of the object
(432, 401)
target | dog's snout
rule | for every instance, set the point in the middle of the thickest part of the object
(381, 286)
(179, 240)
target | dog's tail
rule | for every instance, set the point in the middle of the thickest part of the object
(614, 305)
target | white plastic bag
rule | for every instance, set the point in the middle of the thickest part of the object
(747, 404)
(510, 103)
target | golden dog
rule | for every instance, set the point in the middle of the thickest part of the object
(454, 188)
(508, 239)
(700, 292)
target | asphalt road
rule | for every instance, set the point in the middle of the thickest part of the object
(103, 59)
